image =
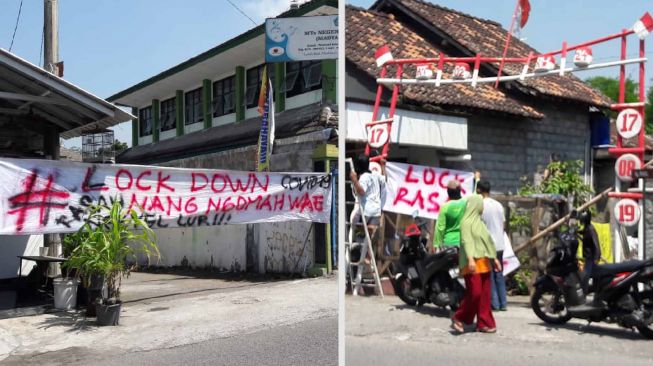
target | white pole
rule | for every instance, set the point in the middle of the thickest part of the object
(617, 231)
(640, 225)
(493, 79)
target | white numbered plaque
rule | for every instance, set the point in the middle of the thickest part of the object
(629, 123)
(378, 136)
(627, 212)
(625, 165)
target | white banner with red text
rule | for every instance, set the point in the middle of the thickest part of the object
(50, 196)
(415, 188)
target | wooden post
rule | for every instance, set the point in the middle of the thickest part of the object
(558, 223)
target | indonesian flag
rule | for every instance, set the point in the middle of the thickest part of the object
(643, 26)
(383, 55)
(523, 13)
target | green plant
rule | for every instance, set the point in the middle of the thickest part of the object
(518, 285)
(69, 243)
(520, 222)
(563, 178)
(110, 238)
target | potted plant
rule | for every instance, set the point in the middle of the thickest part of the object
(113, 236)
(65, 288)
(82, 260)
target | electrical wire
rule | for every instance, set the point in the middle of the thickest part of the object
(20, 8)
(242, 12)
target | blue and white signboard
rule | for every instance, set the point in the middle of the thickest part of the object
(301, 38)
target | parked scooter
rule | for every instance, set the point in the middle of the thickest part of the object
(622, 292)
(426, 277)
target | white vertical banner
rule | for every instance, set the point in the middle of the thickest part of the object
(510, 260)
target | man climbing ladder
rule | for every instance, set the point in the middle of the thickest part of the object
(368, 189)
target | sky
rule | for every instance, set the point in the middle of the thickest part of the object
(110, 45)
(576, 21)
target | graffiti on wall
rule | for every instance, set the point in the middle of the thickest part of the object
(288, 246)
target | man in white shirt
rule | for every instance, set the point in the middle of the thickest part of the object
(370, 188)
(494, 219)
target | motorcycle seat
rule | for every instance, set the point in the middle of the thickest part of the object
(610, 269)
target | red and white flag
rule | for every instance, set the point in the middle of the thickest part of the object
(643, 26)
(523, 13)
(383, 55)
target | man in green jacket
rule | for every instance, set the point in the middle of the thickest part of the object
(447, 230)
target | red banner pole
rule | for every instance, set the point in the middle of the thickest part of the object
(505, 48)
(642, 99)
(622, 80)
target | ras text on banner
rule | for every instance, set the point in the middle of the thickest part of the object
(420, 188)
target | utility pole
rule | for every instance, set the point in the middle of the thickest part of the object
(51, 136)
(51, 35)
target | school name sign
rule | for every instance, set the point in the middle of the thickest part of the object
(415, 188)
(49, 196)
(301, 38)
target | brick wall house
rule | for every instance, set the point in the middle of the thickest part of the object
(509, 131)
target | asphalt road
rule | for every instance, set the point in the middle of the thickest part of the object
(182, 320)
(387, 332)
(310, 342)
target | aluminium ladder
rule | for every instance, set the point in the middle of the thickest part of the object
(356, 281)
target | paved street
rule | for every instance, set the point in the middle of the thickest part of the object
(171, 320)
(386, 332)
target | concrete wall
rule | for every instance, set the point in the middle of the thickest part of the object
(286, 247)
(505, 149)
(221, 247)
(12, 247)
(275, 247)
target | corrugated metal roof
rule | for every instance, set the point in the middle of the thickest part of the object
(28, 90)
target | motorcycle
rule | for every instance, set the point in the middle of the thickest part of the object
(622, 292)
(425, 277)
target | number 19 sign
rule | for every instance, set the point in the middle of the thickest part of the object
(627, 212)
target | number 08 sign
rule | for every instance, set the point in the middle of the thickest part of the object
(625, 165)
(627, 212)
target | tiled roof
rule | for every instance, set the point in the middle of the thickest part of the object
(488, 37)
(367, 30)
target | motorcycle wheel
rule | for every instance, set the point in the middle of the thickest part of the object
(549, 305)
(402, 289)
(646, 331)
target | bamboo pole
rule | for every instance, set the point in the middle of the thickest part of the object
(557, 224)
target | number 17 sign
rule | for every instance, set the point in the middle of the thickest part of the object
(627, 212)
(629, 123)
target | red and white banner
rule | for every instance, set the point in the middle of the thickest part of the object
(510, 260)
(420, 188)
(50, 196)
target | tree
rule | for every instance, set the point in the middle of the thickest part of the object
(119, 147)
(610, 87)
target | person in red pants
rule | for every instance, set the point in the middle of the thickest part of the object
(477, 252)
